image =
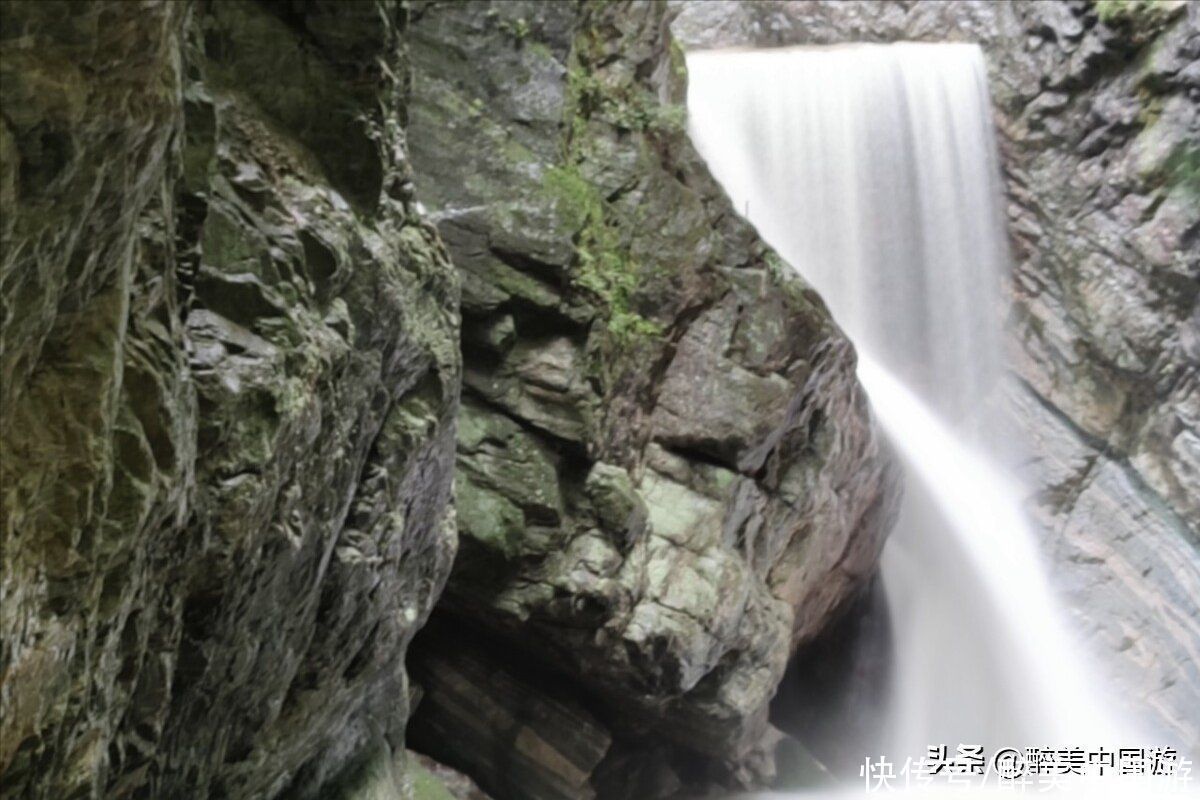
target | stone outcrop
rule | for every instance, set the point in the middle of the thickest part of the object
(1096, 105)
(667, 475)
(232, 360)
(230, 376)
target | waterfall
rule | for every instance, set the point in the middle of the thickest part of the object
(872, 169)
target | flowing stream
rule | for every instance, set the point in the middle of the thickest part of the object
(872, 169)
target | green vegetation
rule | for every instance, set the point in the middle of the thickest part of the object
(678, 59)
(776, 266)
(1123, 11)
(630, 107)
(788, 280)
(1150, 109)
(1183, 169)
(605, 270)
(579, 202)
(517, 28)
(425, 784)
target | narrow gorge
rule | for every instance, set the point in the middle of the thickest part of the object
(432, 400)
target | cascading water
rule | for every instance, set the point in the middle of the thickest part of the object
(872, 169)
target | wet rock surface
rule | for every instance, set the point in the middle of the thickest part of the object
(1096, 109)
(230, 375)
(667, 476)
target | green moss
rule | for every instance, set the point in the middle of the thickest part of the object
(294, 396)
(1183, 169)
(1131, 11)
(541, 51)
(489, 519)
(775, 265)
(605, 271)
(579, 202)
(669, 118)
(425, 784)
(678, 59)
(518, 27)
(627, 106)
(1150, 109)
(786, 279)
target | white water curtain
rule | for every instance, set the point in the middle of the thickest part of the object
(872, 169)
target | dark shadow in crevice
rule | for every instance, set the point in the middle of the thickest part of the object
(834, 695)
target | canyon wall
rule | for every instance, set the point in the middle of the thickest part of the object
(1096, 109)
(230, 378)
(667, 474)
(232, 361)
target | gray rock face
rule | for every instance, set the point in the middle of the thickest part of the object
(1097, 111)
(1105, 190)
(667, 475)
(230, 375)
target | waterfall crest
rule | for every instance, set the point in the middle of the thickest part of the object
(872, 169)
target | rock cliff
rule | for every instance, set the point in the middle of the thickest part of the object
(234, 343)
(667, 476)
(1096, 107)
(230, 378)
